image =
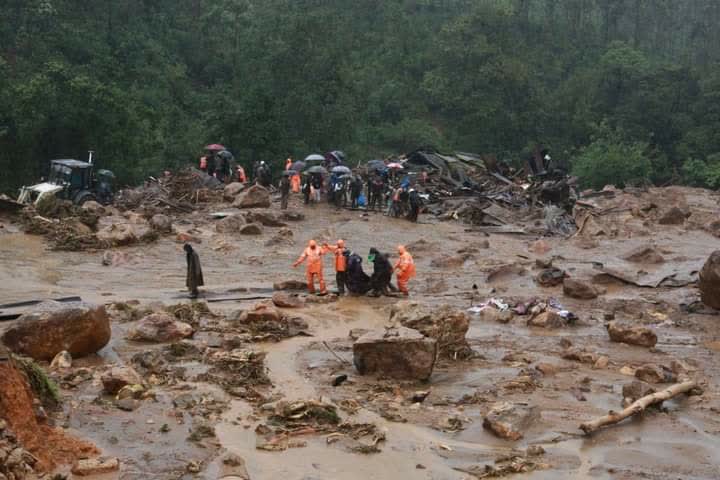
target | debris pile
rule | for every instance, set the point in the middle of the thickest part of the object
(177, 191)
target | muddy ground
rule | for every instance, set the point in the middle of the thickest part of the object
(442, 437)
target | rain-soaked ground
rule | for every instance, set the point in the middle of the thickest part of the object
(680, 441)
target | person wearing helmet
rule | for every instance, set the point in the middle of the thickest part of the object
(340, 263)
(313, 255)
(404, 268)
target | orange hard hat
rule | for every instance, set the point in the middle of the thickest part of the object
(312, 244)
(341, 243)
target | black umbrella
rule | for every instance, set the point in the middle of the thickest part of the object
(298, 166)
(317, 169)
(376, 165)
(339, 155)
(289, 173)
(341, 169)
(226, 155)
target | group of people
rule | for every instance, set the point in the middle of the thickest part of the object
(349, 275)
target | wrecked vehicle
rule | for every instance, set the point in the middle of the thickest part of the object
(72, 180)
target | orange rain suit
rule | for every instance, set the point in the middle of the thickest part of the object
(405, 268)
(314, 267)
(295, 183)
(242, 178)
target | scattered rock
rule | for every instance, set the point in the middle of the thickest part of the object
(509, 420)
(647, 254)
(128, 404)
(230, 224)
(95, 466)
(78, 328)
(546, 368)
(633, 335)
(254, 197)
(186, 237)
(292, 216)
(540, 247)
(160, 327)
(117, 377)
(577, 289)
(673, 216)
(161, 223)
(131, 391)
(491, 314)
(262, 312)
(709, 283)
(94, 207)
(400, 353)
(655, 374)
(251, 229)
(550, 277)
(233, 467)
(580, 355)
(547, 319)
(445, 324)
(62, 361)
(601, 362)
(634, 391)
(287, 300)
(231, 191)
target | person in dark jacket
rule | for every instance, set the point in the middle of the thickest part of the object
(415, 203)
(382, 273)
(284, 191)
(194, 277)
(356, 187)
(357, 281)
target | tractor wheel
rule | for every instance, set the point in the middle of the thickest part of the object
(85, 198)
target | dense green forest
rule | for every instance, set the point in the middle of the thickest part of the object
(619, 90)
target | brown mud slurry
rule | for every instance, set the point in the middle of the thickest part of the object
(51, 446)
(442, 437)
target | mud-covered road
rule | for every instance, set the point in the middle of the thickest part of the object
(442, 437)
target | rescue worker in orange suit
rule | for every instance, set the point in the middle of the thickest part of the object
(242, 177)
(204, 163)
(340, 264)
(404, 269)
(288, 163)
(313, 254)
(295, 183)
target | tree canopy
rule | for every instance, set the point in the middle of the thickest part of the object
(146, 84)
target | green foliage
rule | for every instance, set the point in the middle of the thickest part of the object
(611, 160)
(147, 84)
(43, 387)
(700, 173)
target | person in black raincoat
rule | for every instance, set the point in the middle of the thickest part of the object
(284, 191)
(356, 187)
(382, 272)
(415, 203)
(194, 277)
(357, 281)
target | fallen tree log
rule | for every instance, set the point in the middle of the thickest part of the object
(639, 406)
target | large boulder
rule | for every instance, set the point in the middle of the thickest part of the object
(254, 197)
(262, 312)
(79, 328)
(710, 281)
(655, 374)
(400, 353)
(159, 328)
(576, 289)
(117, 377)
(230, 224)
(633, 335)
(445, 324)
(231, 191)
(509, 420)
(117, 235)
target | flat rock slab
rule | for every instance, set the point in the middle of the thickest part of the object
(400, 353)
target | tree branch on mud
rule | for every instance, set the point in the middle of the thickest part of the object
(640, 405)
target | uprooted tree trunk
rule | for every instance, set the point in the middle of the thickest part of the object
(639, 406)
